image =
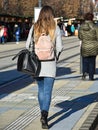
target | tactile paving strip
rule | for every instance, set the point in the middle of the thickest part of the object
(33, 113)
(24, 120)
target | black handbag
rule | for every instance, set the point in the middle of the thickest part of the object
(28, 62)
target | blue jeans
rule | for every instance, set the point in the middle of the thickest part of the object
(17, 38)
(45, 85)
(2, 39)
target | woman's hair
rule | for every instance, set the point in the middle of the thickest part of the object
(89, 16)
(45, 23)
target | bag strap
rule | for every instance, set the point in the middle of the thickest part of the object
(33, 42)
(26, 50)
(20, 52)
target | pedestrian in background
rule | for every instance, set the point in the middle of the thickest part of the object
(72, 29)
(46, 24)
(88, 34)
(17, 33)
(68, 28)
(2, 34)
(5, 34)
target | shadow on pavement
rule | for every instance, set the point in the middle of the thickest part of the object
(63, 71)
(74, 105)
(12, 80)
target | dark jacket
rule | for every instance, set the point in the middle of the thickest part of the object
(88, 34)
(16, 31)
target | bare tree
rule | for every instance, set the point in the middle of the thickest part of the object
(5, 5)
(62, 8)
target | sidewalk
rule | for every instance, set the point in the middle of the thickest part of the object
(74, 103)
(6, 49)
(11, 45)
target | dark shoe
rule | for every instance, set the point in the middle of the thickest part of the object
(83, 77)
(91, 79)
(44, 115)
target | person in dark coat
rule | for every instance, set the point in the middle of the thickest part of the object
(68, 28)
(88, 34)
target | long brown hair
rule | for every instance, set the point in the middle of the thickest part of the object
(45, 23)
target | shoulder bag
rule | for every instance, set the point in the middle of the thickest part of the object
(28, 62)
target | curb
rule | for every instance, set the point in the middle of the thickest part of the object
(91, 121)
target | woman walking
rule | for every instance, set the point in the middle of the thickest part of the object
(88, 34)
(46, 24)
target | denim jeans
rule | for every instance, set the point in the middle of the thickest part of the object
(2, 39)
(17, 38)
(45, 85)
(89, 64)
